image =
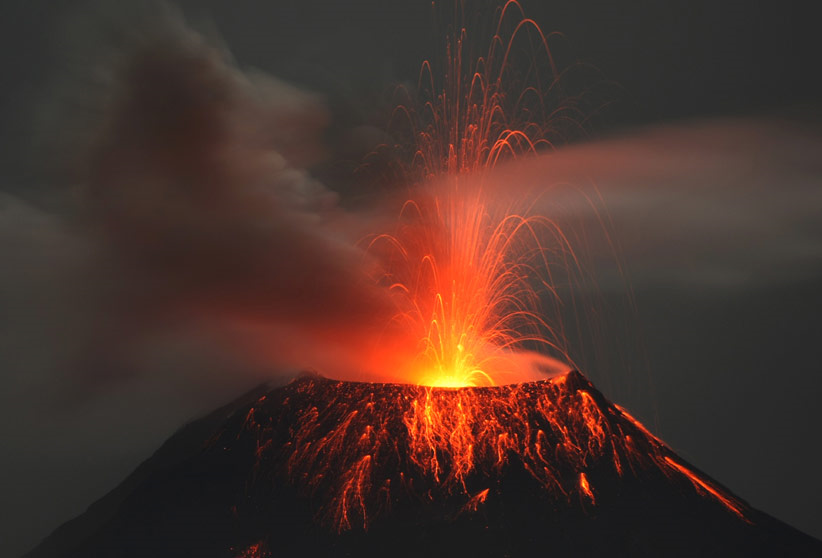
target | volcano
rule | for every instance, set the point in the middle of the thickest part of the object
(321, 467)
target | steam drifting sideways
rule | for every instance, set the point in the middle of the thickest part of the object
(205, 218)
(198, 219)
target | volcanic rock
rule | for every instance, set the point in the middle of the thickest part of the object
(328, 468)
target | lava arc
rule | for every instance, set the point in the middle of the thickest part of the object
(489, 442)
(474, 280)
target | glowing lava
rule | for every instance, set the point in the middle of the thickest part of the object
(471, 279)
(358, 449)
(467, 287)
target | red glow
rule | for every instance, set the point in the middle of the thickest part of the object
(585, 487)
(256, 550)
(470, 282)
(363, 446)
(703, 484)
(665, 461)
(476, 501)
(470, 279)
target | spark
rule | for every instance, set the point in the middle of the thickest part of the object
(357, 447)
(468, 277)
(585, 487)
(703, 484)
(470, 281)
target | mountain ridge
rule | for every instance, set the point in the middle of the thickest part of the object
(323, 467)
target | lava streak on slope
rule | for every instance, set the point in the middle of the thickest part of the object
(322, 467)
(355, 450)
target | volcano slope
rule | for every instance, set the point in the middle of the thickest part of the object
(328, 468)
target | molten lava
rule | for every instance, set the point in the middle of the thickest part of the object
(474, 282)
(321, 467)
(357, 449)
(471, 280)
(475, 285)
(467, 284)
(466, 450)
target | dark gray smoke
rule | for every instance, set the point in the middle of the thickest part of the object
(178, 228)
(179, 249)
(197, 215)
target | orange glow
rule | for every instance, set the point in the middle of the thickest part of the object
(701, 483)
(476, 501)
(470, 279)
(466, 286)
(470, 282)
(256, 550)
(364, 445)
(586, 487)
(666, 461)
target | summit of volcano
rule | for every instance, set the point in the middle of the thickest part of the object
(321, 467)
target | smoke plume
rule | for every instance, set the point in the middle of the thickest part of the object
(186, 252)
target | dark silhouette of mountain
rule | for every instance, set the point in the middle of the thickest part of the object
(327, 468)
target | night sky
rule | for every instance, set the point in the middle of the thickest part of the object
(704, 140)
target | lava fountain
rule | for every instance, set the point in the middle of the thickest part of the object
(472, 280)
(484, 373)
(488, 443)
(474, 283)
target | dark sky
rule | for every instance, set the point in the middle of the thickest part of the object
(721, 357)
(674, 59)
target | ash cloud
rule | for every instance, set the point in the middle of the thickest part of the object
(184, 251)
(196, 236)
(198, 190)
(176, 251)
(196, 232)
(200, 217)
